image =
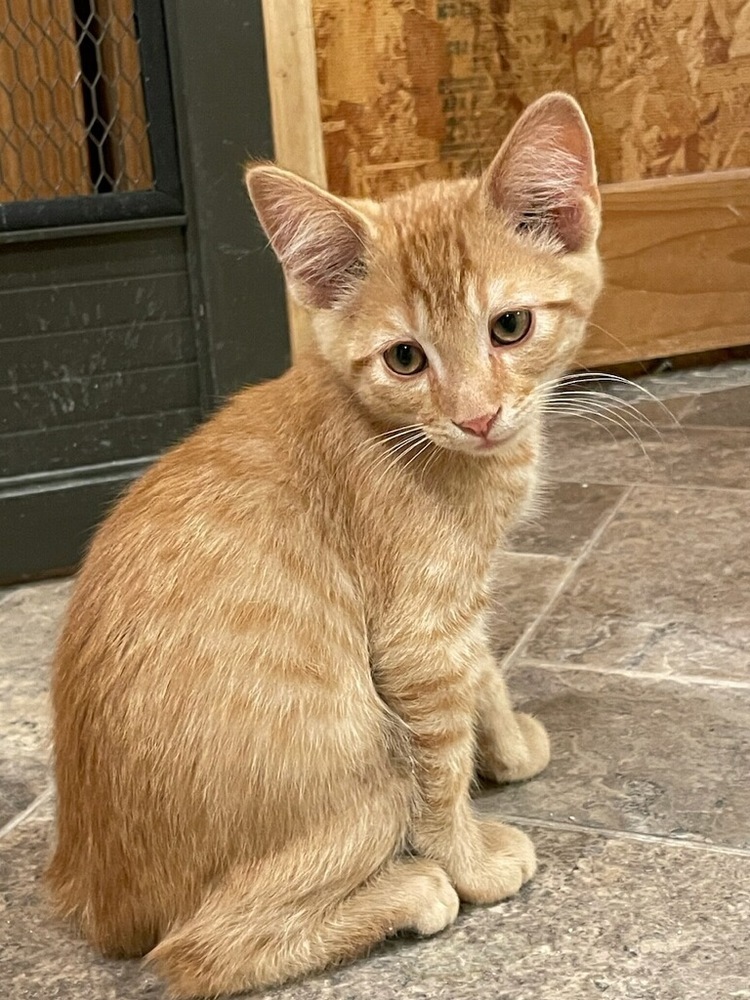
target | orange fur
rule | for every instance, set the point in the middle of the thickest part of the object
(274, 683)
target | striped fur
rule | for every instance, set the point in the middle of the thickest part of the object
(274, 686)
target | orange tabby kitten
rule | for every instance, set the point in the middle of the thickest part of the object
(275, 684)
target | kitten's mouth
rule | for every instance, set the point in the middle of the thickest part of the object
(496, 442)
(480, 445)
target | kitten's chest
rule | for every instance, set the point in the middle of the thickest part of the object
(431, 556)
(432, 544)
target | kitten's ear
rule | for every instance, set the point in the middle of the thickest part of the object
(544, 177)
(319, 239)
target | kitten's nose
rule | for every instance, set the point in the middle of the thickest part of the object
(480, 426)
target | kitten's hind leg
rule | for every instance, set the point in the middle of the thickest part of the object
(235, 950)
(511, 746)
(299, 912)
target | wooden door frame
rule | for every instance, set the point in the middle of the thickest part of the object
(665, 294)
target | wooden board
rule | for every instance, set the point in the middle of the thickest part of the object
(295, 112)
(293, 87)
(677, 255)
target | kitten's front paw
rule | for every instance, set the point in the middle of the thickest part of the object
(430, 903)
(499, 868)
(521, 755)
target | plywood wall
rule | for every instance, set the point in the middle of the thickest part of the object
(414, 89)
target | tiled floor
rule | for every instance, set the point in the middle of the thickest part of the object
(624, 619)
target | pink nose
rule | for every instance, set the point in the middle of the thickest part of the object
(480, 426)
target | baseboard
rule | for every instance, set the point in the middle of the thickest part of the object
(47, 523)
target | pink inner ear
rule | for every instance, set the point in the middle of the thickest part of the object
(575, 141)
(324, 258)
(544, 177)
(571, 225)
(318, 239)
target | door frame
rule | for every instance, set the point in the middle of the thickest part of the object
(222, 106)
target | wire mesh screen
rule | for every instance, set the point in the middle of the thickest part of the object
(72, 111)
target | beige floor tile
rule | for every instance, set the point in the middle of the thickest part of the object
(29, 622)
(730, 408)
(524, 586)
(686, 456)
(30, 618)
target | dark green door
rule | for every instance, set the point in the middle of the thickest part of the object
(135, 292)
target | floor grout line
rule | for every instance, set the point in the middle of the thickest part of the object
(641, 838)
(710, 427)
(703, 680)
(683, 430)
(665, 484)
(573, 566)
(25, 813)
(536, 555)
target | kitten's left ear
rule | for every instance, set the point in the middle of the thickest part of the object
(320, 240)
(544, 177)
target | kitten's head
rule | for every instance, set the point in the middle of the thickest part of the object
(452, 305)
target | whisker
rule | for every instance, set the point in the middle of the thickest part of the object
(619, 380)
(608, 333)
(421, 452)
(398, 451)
(614, 419)
(430, 460)
(395, 431)
(573, 413)
(389, 452)
(566, 387)
(389, 443)
(614, 401)
(614, 405)
(620, 420)
(383, 438)
(396, 459)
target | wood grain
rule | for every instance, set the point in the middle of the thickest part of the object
(42, 131)
(429, 89)
(295, 113)
(677, 255)
(293, 84)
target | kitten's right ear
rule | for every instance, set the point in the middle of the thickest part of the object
(319, 239)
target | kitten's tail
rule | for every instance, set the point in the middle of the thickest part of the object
(316, 903)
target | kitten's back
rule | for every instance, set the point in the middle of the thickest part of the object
(170, 702)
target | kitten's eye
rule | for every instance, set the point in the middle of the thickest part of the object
(405, 359)
(510, 327)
